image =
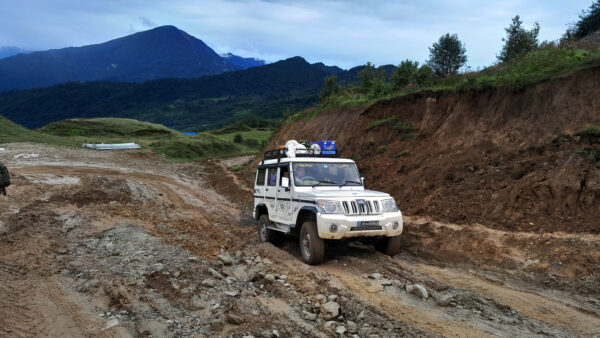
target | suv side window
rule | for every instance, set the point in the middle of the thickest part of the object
(272, 176)
(260, 177)
(283, 172)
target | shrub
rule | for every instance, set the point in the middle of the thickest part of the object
(381, 149)
(237, 167)
(405, 73)
(238, 138)
(250, 142)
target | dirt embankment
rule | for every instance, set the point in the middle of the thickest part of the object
(507, 160)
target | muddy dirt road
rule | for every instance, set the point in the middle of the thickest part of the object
(128, 244)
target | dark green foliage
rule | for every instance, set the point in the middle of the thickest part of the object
(425, 76)
(237, 168)
(250, 142)
(405, 130)
(589, 22)
(367, 76)
(355, 157)
(330, 87)
(377, 123)
(518, 40)
(238, 138)
(447, 55)
(405, 73)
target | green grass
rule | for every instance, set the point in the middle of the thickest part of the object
(164, 141)
(378, 123)
(382, 149)
(590, 130)
(589, 154)
(237, 167)
(400, 154)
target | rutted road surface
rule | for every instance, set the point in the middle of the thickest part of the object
(127, 244)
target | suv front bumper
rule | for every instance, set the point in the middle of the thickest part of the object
(347, 226)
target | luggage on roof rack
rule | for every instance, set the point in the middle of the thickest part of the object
(282, 153)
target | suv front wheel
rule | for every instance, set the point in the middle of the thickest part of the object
(312, 246)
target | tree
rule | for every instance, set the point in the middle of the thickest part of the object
(447, 55)
(238, 138)
(589, 22)
(367, 75)
(330, 87)
(405, 73)
(518, 40)
(425, 76)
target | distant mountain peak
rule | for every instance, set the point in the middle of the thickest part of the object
(242, 62)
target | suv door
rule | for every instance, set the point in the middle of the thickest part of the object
(260, 186)
(284, 211)
(271, 192)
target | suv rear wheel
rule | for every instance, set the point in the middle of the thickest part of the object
(264, 233)
(312, 246)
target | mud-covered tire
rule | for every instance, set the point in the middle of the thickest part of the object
(264, 233)
(389, 245)
(312, 247)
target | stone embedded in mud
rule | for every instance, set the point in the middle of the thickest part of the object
(332, 298)
(225, 258)
(417, 290)
(240, 273)
(309, 315)
(330, 310)
(209, 282)
(375, 276)
(110, 324)
(231, 293)
(340, 330)
(385, 282)
(444, 299)
(361, 316)
(215, 273)
(352, 327)
(269, 277)
(233, 319)
(267, 261)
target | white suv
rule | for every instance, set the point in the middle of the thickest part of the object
(321, 197)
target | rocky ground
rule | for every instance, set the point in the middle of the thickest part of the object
(128, 244)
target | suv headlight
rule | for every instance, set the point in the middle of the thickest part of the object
(389, 205)
(329, 207)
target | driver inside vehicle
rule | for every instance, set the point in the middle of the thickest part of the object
(299, 175)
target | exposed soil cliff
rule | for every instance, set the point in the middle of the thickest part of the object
(507, 160)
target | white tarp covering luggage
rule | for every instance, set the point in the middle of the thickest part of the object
(102, 146)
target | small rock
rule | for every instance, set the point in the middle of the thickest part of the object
(385, 282)
(375, 276)
(320, 298)
(215, 273)
(267, 261)
(352, 327)
(110, 324)
(240, 273)
(231, 293)
(330, 310)
(361, 316)
(417, 290)
(193, 259)
(209, 282)
(282, 277)
(309, 315)
(197, 303)
(330, 324)
(269, 277)
(340, 330)
(275, 333)
(225, 258)
(176, 274)
(332, 298)
(444, 299)
(233, 319)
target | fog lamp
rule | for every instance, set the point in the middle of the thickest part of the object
(333, 228)
(395, 225)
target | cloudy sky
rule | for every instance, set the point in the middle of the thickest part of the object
(336, 32)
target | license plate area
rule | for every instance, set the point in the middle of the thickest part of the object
(367, 223)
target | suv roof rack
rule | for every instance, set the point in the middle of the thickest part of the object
(278, 154)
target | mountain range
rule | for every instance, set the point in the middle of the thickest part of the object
(162, 52)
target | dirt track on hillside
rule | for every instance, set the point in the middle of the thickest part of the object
(127, 244)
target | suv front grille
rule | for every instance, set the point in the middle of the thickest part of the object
(361, 207)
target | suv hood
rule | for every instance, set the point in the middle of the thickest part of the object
(343, 194)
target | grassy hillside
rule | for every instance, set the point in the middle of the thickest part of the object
(543, 64)
(162, 140)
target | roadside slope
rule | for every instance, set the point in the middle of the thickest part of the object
(508, 160)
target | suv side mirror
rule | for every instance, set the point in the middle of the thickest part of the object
(285, 182)
(362, 180)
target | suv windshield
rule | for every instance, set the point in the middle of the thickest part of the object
(311, 173)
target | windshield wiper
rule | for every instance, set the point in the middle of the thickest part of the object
(347, 182)
(325, 182)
